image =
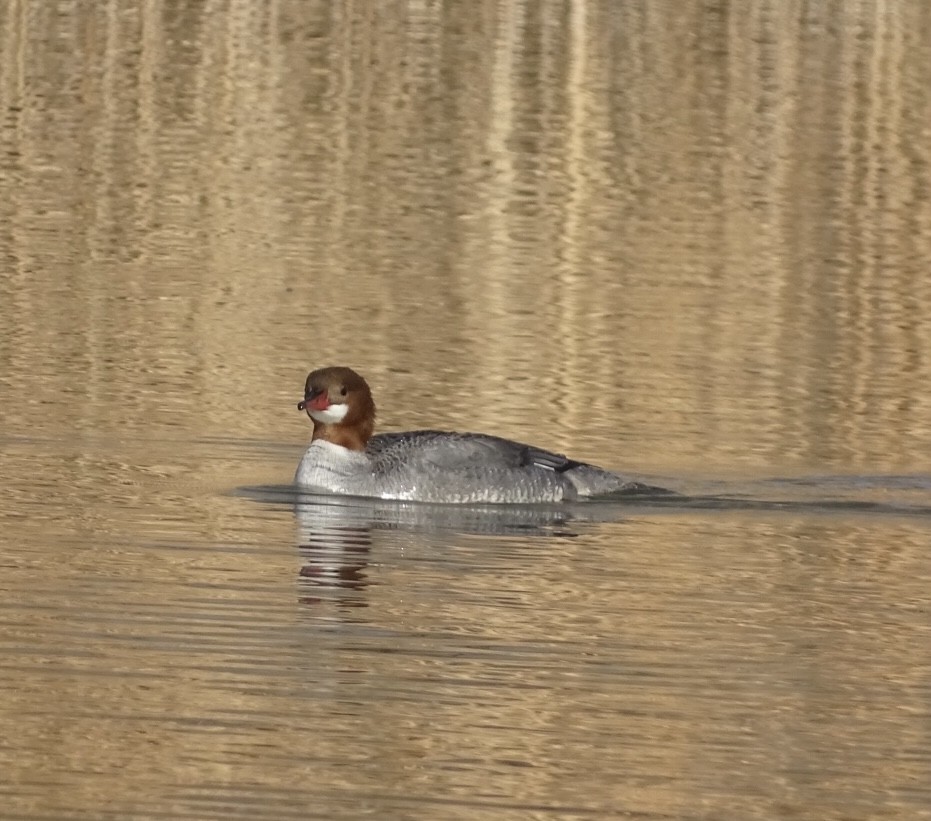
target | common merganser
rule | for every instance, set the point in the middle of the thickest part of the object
(428, 465)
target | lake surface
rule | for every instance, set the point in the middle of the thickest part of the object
(690, 242)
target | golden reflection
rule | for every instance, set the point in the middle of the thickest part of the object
(683, 238)
(724, 231)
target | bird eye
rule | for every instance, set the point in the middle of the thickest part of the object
(342, 391)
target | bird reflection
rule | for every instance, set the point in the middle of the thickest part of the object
(336, 533)
(334, 543)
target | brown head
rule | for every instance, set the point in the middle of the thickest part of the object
(340, 404)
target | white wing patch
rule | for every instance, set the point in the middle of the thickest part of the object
(332, 415)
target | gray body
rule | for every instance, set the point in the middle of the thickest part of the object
(436, 466)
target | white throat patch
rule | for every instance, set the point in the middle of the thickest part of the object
(332, 415)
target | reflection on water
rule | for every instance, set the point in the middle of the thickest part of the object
(718, 216)
(681, 239)
(338, 534)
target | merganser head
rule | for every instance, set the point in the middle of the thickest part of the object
(340, 404)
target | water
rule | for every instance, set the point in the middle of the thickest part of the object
(685, 241)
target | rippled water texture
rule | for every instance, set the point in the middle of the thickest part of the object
(691, 241)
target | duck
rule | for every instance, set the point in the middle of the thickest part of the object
(347, 457)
